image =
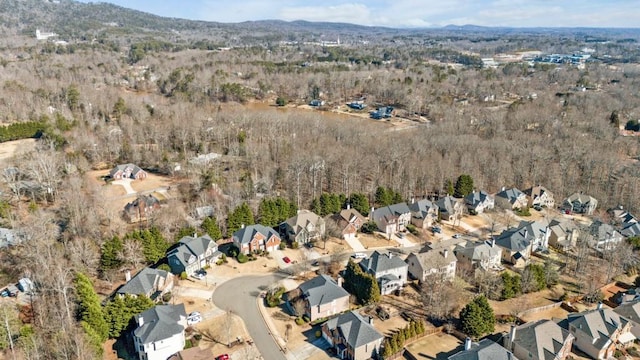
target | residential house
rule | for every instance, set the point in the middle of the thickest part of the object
(631, 311)
(450, 208)
(349, 221)
(160, 332)
(603, 236)
(194, 353)
(256, 238)
(323, 297)
(580, 203)
(483, 350)
(192, 254)
(630, 229)
(303, 228)
(389, 270)
(202, 212)
(393, 218)
(621, 216)
(479, 201)
(353, 336)
(484, 256)
(127, 171)
(540, 196)
(435, 262)
(539, 340)
(598, 332)
(141, 208)
(423, 213)
(511, 199)
(518, 243)
(152, 283)
(564, 234)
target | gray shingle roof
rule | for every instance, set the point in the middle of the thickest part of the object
(514, 239)
(542, 338)
(322, 290)
(478, 251)
(160, 322)
(391, 211)
(134, 169)
(355, 330)
(190, 246)
(484, 350)
(581, 198)
(537, 191)
(420, 208)
(447, 204)
(476, 198)
(510, 194)
(246, 234)
(630, 310)
(378, 262)
(630, 229)
(144, 282)
(599, 324)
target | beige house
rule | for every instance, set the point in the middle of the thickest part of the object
(353, 336)
(435, 262)
(482, 256)
(323, 297)
(152, 283)
(541, 196)
(423, 213)
(564, 234)
(539, 340)
(303, 228)
(599, 332)
(511, 199)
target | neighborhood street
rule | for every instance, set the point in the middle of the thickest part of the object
(239, 296)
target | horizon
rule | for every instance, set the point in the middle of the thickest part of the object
(404, 13)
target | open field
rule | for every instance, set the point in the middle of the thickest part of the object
(370, 241)
(10, 148)
(438, 346)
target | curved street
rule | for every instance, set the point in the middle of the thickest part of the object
(239, 295)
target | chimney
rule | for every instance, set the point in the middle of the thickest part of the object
(340, 281)
(370, 320)
(140, 320)
(389, 255)
(195, 234)
(599, 306)
(467, 344)
(348, 206)
(446, 253)
(512, 336)
(413, 200)
(493, 242)
(371, 213)
(503, 189)
(127, 275)
(242, 226)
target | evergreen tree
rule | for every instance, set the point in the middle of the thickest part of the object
(154, 245)
(241, 215)
(511, 285)
(89, 310)
(109, 254)
(448, 186)
(210, 226)
(119, 312)
(464, 186)
(477, 317)
(272, 212)
(360, 202)
(186, 231)
(383, 197)
(362, 285)
(73, 98)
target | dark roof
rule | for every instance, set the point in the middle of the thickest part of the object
(135, 169)
(322, 290)
(476, 198)
(190, 246)
(599, 324)
(246, 234)
(355, 330)
(542, 338)
(378, 262)
(630, 310)
(144, 282)
(146, 200)
(420, 208)
(510, 194)
(160, 322)
(484, 350)
(447, 204)
(391, 211)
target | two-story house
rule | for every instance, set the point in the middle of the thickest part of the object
(323, 297)
(631, 311)
(511, 199)
(423, 213)
(485, 349)
(353, 336)
(160, 332)
(303, 228)
(391, 219)
(580, 203)
(482, 256)
(192, 254)
(539, 340)
(349, 221)
(256, 238)
(564, 234)
(389, 270)
(141, 208)
(152, 283)
(598, 332)
(450, 208)
(479, 201)
(439, 263)
(603, 236)
(540, 196)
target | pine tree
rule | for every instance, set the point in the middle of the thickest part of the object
(477, 317)
(120, 311)
(210, 226)
(464, 186)
(360, 202)
(383, 197)
(241, 215)
(89, 310)
(109, 254)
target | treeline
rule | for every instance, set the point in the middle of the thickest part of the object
(22, 130)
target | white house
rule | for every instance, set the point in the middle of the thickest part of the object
(392, 218)
(160, 332)
(436, 262)
(479, 201)
(389, 270)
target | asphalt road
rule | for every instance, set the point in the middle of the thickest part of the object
(239, 295)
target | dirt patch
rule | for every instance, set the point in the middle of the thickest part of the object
(11, 148)
(438, 346)
(375, 241)
(557, 313)
(222, 330)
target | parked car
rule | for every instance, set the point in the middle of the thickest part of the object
(198, 275)
(456, 236)
(222, 357)
(286, 260)
(359, 255)
(537, 207)
(436, 229)
(400, 235)
(194, 318)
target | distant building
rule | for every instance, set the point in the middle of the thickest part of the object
(44, 35)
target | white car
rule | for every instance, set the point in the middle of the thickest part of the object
(359, 255)
(194, 318)
(198, 275)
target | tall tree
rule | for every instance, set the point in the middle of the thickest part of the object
(241, 215)
(89, 310)
(477, 317)
(360, 202)
(210, 226)
(110, 254)
(464, 186)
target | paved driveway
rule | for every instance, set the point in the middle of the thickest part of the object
(355, 244)
(126, 184)
(403, 241)
(239, 296)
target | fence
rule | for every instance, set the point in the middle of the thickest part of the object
(539, 309)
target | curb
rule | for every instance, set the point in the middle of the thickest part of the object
(272, 331)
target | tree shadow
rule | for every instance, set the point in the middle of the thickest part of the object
(124, 348)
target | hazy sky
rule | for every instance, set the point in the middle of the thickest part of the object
(405, 13)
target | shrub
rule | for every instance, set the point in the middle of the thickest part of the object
(188, 344)
(166, 297)
(369, 227)
(282, 246)
(242, 258)
(306, 318)
(294, 245)
(219, 262)
(183, 275)
(299, 321)
(523, 212)
(412, 229)
(281, 101)
(318, 334)
(233, 251)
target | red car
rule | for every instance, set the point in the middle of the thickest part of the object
(286, 259)
(222, 357)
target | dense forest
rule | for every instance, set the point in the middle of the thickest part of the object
(112, 94)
